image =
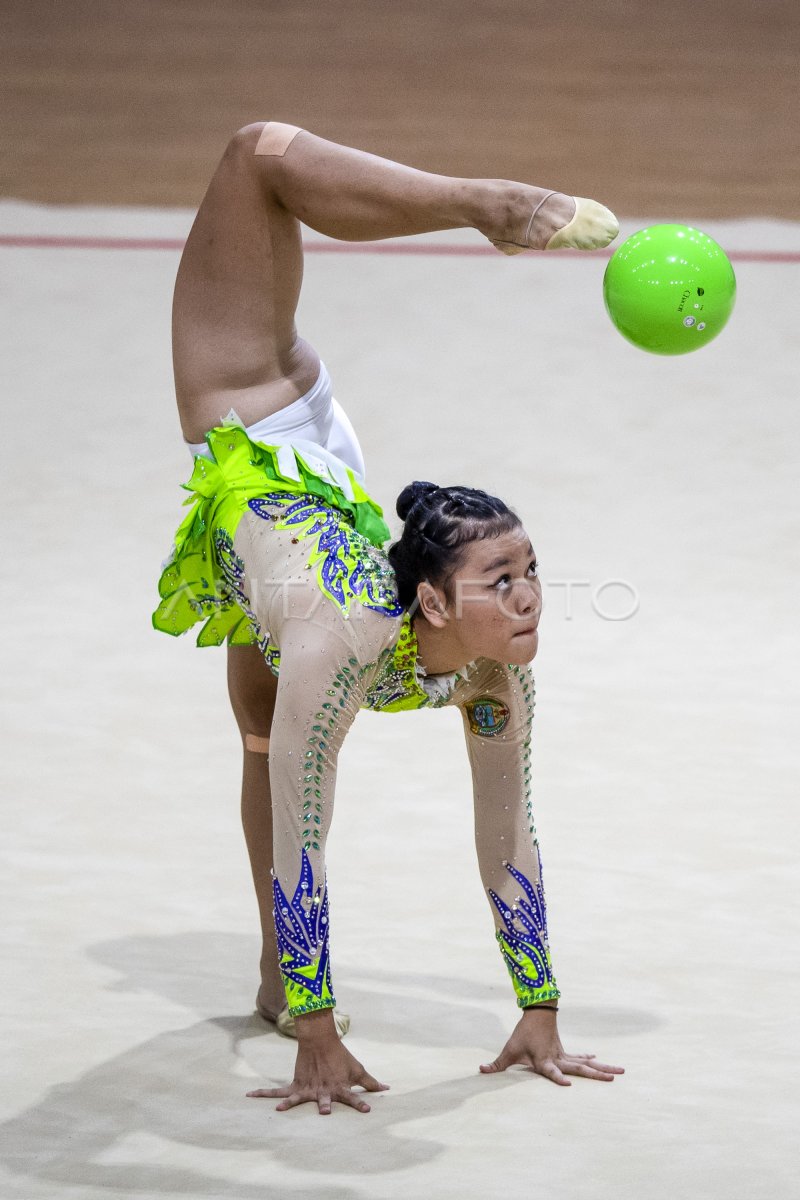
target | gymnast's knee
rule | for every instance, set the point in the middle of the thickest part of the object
(244, 141)
(265, 139)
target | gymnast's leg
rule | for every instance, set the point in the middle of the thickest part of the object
(252, 689)
(240, 274)
(348, 194)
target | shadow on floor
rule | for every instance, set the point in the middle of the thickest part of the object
(157, 1116)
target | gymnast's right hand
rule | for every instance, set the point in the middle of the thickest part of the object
(324, 1071)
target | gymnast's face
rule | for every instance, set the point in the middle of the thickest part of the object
(494, 602)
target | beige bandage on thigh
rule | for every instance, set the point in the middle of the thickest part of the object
(276, 138)
(258, 745)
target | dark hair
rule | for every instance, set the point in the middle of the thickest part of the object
(439, 523)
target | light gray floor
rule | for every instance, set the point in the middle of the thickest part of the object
(665, 750)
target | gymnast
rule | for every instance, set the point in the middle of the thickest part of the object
(281, 555)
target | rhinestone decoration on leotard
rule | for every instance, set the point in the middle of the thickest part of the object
(397, 684)
(396, 680)
(523, 940)
(348, 565)
(525, 678)
(215, 596)
(301, 928)
(233, 570)
(317, 756)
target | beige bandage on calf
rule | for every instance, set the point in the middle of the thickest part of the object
(276, 138)
(257, 745)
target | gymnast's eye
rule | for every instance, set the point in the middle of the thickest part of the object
(505, 580)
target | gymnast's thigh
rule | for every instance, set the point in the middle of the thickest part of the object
(252, 688)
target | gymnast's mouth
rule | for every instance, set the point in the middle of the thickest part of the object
(526, 632)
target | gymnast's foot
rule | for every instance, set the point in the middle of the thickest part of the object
(279, 1017)
(531, 218)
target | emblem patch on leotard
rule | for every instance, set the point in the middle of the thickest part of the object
(487, 716)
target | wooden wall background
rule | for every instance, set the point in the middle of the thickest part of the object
(684, 108)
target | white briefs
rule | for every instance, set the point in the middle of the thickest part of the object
(316, 425)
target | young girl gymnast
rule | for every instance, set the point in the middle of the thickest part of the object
(281, 555)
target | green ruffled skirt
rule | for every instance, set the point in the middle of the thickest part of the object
(192, 585)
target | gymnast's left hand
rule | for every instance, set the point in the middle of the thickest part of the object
(535, 1043)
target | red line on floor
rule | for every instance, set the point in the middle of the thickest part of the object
(430, 249)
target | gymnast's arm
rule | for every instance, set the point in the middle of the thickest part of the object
(321, 686)
(497, 709)
(496, 704)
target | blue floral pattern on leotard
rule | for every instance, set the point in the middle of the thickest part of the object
(348, 565)
(301, 927)
(523, 939)
(232, 567)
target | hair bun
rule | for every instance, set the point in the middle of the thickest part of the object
(412, 494)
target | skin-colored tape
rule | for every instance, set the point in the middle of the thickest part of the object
(257, 745)
(276, 138)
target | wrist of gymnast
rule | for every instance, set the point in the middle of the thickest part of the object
(316, 1026)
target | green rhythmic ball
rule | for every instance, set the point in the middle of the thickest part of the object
(669, 289)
